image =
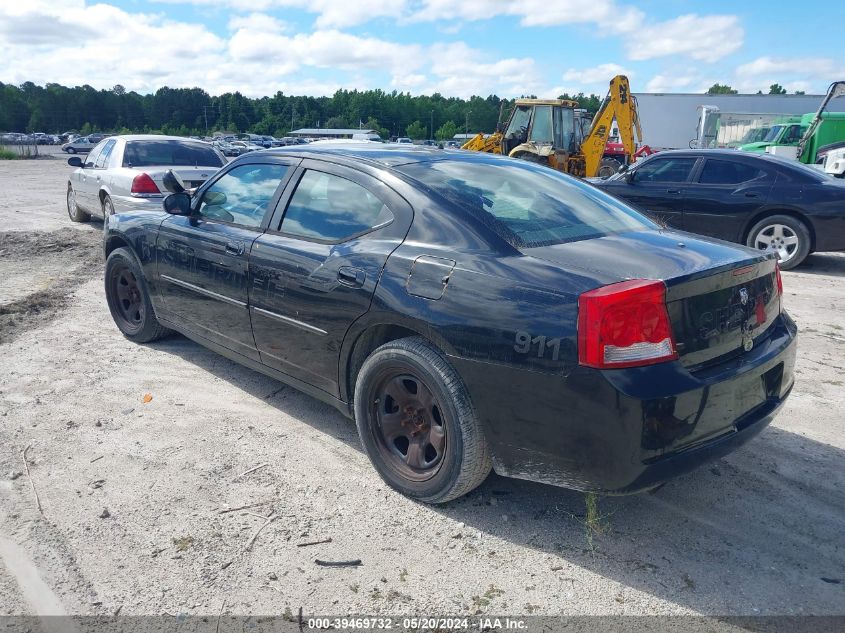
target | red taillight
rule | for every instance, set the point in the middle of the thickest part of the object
(142, 183)
(625, 325)
(780, 286)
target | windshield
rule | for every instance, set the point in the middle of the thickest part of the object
(754, 135)
(518, 126)
(528, 205)
(773, 133)
(179, 153)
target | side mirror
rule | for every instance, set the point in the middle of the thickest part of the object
(178, 204)
(629, 176)
(74, 161)
(173, 183)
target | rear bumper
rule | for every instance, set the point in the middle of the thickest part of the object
(129, 204)
(623, 431)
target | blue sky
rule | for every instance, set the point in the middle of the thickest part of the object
(457, 48)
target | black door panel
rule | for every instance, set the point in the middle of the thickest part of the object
(306, 291)
(725, 195)
(204, 283)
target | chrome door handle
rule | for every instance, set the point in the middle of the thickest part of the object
(352, 277)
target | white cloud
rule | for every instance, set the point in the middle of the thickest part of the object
(669, 83)
(600, 74)
(258, 56)
(795, 73)
(330, 13)
(706, 38)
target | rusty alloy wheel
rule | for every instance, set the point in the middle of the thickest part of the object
(410, 430)
(129, 299)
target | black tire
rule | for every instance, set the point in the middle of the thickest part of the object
(129, 299)
(442, 410)
(608, 167)
(782, 234)
(74, 212)
(107, 207)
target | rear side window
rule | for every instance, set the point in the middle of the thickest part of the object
(332, 209)
(726, 172)
(527, 205)
(665, 170)
(178, 153)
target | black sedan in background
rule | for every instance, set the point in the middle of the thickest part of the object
(766, 202)
(468, 310)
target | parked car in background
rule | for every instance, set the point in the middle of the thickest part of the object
(124, 173)
(243, 147)
(769, 203)
(226, 148)
(468, 310)
(404, 140)
(81, 145)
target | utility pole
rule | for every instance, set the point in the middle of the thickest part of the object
(205, 114)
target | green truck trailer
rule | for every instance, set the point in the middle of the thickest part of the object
(807, 134)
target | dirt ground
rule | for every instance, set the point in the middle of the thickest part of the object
(134, 493)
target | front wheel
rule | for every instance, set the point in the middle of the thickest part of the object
(74, 212)
(417, 423)
(608, 167)
(129, 300)
(784, 235)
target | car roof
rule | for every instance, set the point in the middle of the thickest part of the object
(720, 152)
(156, 137)
(381, 154)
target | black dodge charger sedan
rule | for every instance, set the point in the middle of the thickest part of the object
(468, 310)
(767, 202)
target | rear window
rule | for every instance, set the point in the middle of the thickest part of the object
(177, 153)
(526, 204)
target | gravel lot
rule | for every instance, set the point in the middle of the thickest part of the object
(132, 492)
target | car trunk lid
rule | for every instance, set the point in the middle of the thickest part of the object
(720, 297)
(192, 176)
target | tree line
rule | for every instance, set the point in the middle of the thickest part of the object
(54, 108)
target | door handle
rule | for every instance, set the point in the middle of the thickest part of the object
(235, 248)
(750, 195)
(352, 277)
(675, 191)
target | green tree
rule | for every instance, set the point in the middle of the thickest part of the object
(446, 131)
(800, 92)
(336, 123)
(416, 130)
(777, 89)
(721, 89)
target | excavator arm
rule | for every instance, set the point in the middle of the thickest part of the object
(619, 104)
(491, 144)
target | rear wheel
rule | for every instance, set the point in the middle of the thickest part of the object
(74, 212)
(784, 235)
(608, 167)
(129, 300)
(417, 424)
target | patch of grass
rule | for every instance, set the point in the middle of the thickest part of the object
(183, 543)
(594, 522)
(485, 600)
(7, 154)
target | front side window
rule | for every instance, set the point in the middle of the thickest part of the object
(527, 205)
(105, 154)
(665, 170)
(332, 209)
(93, 155)
(243, 195)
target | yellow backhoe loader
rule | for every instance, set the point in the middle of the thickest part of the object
(556, 133)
